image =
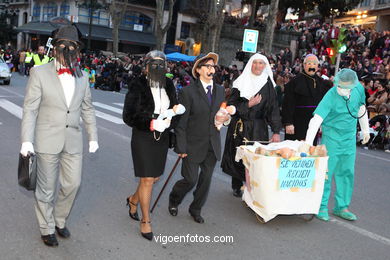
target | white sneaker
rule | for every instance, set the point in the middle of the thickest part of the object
(387, 151)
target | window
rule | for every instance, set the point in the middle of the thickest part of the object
(365, 3)
(36, 12)
(64, 9)
(99, 17)
(381, 2)
(185, 30)
(137, 21)
(49, 11)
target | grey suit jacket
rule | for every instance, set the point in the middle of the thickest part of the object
(47, 121)
(196, 130)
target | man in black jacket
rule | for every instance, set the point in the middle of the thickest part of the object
(198, 140)
(301, 97)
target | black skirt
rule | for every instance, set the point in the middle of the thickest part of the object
(149, 154)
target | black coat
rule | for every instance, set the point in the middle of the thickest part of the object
(255, 121)
(139, 104)
(195, 129)
(301, 97)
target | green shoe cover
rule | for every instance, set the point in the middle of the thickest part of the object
(323, 215)
(345, 215)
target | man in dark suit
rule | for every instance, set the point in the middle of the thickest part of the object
(198, 140)
(301, 97)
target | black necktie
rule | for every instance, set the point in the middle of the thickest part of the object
(209, 94)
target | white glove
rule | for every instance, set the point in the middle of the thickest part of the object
(93, 146)
(160, 125)
(366, 138)
(363, 122)
(166, 114)
(180, 109)
(26, 148)
(314, 125)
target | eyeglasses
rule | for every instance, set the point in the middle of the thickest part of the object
(209, 66)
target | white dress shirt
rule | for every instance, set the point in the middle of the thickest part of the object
(204, 84)
(68, 84)
(161, 100)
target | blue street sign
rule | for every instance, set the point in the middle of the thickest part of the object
(249, 43)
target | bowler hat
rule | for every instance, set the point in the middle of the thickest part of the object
(201, 57)
(68, 33)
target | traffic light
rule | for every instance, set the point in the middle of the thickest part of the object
(342, 48)
(331, 53)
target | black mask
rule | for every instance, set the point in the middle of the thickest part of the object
(66, 53)
(156, 73)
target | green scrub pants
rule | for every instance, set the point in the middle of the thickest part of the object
(342, 168)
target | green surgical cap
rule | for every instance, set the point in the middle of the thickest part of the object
(346, 78)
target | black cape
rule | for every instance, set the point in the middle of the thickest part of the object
(301, 97)
(255, 121)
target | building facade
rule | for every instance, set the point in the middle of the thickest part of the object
(37, 19)
(374, 14)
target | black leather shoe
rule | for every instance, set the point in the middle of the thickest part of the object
(172, 210)
(50, 240)
(197, 218)
(237, 193)
(135, 214)
(63, 232)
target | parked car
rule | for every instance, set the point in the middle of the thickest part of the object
(5, 72)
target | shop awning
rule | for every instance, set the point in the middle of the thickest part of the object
(127, 36)
(44, 28)
(99, 33)
(103, 33)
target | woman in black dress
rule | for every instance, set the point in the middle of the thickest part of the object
(255, 99)
(149, 96)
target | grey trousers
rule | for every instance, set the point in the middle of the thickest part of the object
(51, 168)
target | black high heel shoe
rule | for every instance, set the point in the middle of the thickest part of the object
(149, 235)
(132, 215)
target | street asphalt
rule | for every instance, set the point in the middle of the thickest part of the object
(102, 229)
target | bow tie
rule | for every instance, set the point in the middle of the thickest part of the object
(64, 70)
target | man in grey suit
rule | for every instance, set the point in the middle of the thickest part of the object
(57, 95)
(198, 140)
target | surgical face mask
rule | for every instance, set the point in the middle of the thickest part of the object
(156, 73)
(344, 92)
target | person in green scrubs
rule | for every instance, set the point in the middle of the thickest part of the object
(338, 113)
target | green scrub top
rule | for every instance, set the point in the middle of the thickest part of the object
(339, 127)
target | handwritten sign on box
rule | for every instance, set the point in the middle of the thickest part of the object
(296, 174)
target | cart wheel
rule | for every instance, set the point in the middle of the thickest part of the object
(260, 219)
(307, 217)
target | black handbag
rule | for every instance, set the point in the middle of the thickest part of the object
(27, 171)
(172, 139)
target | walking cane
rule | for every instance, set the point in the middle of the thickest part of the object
(165, 184)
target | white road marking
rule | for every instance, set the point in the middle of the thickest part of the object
(110, 118)
(119, 104)
(110, 108)
(13, 92)
(373, 156)
(362, 231)
(12, 108)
